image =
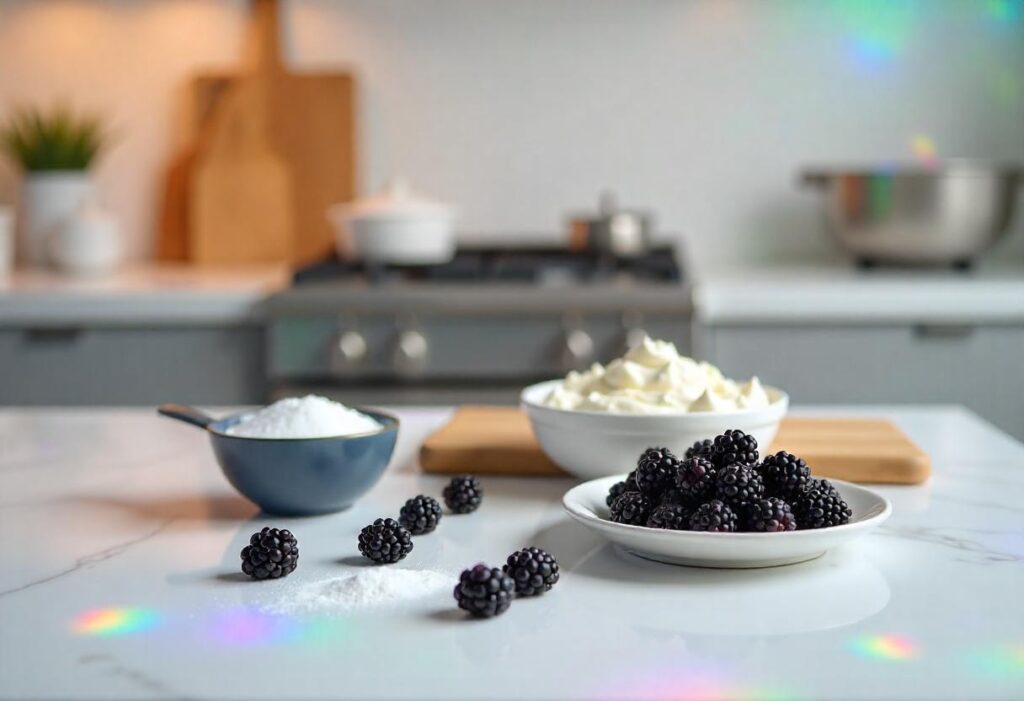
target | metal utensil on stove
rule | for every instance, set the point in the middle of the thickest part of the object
(941, 215)
(623, 233)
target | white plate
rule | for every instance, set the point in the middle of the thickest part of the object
(585, 503)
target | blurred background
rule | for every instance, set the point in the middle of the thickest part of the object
(218, 201)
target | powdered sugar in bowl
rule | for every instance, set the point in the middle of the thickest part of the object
(301, 456)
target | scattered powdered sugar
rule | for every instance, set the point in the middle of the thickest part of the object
(374, 587)
(311, 416)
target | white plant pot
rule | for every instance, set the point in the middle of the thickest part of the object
(89, 243)
(51, 199)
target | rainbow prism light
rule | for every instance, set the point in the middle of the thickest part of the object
(891, 647)
(114, 621)
(997, 661)
(924, 150)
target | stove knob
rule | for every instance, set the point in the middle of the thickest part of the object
(411, 353)
(577, 350)
(349, 350)
(633, 329)
(634, 337)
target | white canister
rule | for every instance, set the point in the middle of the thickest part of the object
(89, 243)
(395, 226)
(50, 200)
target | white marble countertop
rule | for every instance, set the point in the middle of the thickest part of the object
(148, 294)
(844, 294)
(119, 579)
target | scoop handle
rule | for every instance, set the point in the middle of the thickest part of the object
(187, 414)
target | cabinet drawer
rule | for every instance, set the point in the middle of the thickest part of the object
(69, 366)
(978, 366)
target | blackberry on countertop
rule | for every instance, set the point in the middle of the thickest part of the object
(671, 517)
(619, 488)
(656, 471)
(715, 516)
(463, 494)
(420, 514)
(695, 479)
(533, 570)
(769, 515)
(385, 541)
(738, 484)
(484, 591)
(820, 506)
(270, 554)
(734, 446)
(632, 508)
(785, 475)
(700, 449)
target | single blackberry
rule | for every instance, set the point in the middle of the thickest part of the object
(700, 449)
(632, 508)
(270, 554)
(769, 515)
(671, 517)
(656, 471)
(785, 475)
(738, 484)
(385, 541)
(734, 446)
(533, 570)
(673, 497)
(484, 591)
(463, 494)
(420, 514)
(620, 488)
(695, 479)
(820, 506)
(715, 516)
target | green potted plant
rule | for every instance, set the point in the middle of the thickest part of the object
(55, 148)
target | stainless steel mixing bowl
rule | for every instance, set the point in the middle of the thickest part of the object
(945, 215)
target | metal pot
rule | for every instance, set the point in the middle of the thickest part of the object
(932, 216)
(624, 233)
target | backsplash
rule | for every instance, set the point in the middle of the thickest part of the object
(517, 112)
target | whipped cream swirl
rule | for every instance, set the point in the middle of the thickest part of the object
(653, 378)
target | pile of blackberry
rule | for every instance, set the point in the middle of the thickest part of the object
(721, 485)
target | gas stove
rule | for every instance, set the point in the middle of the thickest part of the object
(490, 265)
(474, 329)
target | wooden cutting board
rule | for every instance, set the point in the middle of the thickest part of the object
(310, 125)
(241, 188)
(498, 440)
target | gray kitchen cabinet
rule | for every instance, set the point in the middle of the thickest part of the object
(135, 365)
(979, 366)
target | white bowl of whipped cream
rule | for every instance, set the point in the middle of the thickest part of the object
(595, 423)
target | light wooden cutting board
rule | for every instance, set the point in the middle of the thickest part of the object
(241, 187)
(310, 125)
(498, 440)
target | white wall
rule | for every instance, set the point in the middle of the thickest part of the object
(521, 109)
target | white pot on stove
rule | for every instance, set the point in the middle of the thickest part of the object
(395, 226)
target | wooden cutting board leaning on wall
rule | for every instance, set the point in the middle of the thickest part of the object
(498, 440)
(310, 118)
(241, 189)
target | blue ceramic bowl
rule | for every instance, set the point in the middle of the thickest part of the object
(297, 476)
